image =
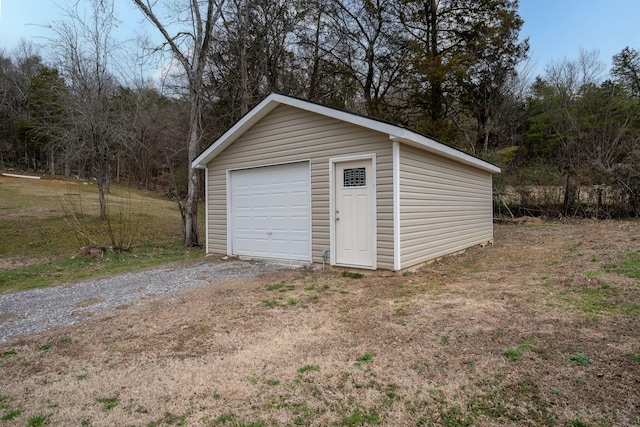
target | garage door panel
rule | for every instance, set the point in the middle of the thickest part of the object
(270, 212)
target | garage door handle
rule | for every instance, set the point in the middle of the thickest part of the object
(269, 233)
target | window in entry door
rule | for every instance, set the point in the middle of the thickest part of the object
(354, 177)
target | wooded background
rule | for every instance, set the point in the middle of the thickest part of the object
(568, 140)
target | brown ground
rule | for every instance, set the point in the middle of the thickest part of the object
(314, 348)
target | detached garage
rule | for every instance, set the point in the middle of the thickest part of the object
(295, 180)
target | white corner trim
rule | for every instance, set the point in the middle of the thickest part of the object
(397, 262)
(206, 210)
(229, 216)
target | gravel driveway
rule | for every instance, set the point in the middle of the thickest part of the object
(37, 309)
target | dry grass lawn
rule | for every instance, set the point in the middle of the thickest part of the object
(542, 328)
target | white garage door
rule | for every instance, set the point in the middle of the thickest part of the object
(270, 212)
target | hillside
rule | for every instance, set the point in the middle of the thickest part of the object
(40, 222)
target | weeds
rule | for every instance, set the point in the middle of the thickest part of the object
(276, 286)
(358, 418)
(579, 423)
(11, 415)
(9, 353)
(38, 420)
(121, 226)
(367, 357)
(108, 403)
(352, 275)
(308, 368)
(513, 353)
(629, 265)
(580, 359)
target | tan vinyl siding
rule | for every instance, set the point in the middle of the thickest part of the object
(445, 206)
(288, 135)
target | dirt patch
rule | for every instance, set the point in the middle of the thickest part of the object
(541, 328)
(15, 263)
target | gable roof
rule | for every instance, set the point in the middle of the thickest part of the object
(396, 133)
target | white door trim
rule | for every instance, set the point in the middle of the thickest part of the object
(229, 196)
(332, 207)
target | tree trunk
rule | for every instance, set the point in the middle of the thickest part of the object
(103, 202)
(52, 161)
(191, 206)
(315, 70)
(570, 195)
(244, 75)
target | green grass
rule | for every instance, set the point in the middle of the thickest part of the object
(40, 242)
(74, 269)
(38, 420)
(9, 353)
(513, 354)
(358, 418)
(367, 357)
(352, 275)
(580, 359)
(276, 287)
(11, 415)
(630, 265)
(594, 300)
(308, 368)
(108, 403)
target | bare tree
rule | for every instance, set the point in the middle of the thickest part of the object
(369, 44)
(87, 49)
(190, 49)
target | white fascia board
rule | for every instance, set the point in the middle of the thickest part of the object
(395, 133)
(248, 120)
(419, 141)
(269, 104)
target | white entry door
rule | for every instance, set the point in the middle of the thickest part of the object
(270, 212)
(354, 204)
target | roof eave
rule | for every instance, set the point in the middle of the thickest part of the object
(395, 133)
(427, 144)
(265, 107)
